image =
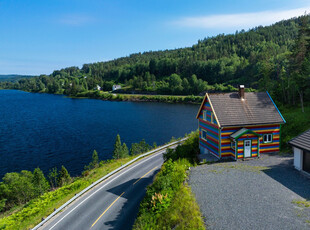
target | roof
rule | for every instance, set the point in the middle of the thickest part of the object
(257, 108)
(242, 131)
(302, 141)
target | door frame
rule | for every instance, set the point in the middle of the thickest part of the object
(244, 148)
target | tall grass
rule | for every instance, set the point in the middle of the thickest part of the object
(169, 203)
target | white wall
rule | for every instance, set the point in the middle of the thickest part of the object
(298, 156)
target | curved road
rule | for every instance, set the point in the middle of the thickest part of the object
(112, 204)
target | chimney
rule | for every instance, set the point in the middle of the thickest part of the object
(241, 92)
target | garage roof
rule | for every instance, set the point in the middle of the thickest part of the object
(302, 141)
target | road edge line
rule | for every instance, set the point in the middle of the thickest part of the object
(102, 179)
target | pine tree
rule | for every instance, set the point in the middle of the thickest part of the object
(39, 181)
(299, 62)
(95, 159)
(117, 153)
(64, 177)
(52, 176)
(125, 151)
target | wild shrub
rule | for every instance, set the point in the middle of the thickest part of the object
(162, 207)
(141, 147)
(64, 177)
(189, 149)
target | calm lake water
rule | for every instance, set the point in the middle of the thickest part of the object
(43, 130)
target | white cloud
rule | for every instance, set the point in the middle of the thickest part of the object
(239, 21)
(75, 20)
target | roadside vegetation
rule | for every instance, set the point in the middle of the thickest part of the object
(296, 123)
(27, 197)
(169, 202)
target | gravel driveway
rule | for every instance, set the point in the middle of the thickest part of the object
(264, 193)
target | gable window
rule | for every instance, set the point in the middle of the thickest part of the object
(205, 115)
(204, 134)
(212, 118)
(233, 145)
(267, 138)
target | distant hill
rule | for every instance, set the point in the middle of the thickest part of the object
(258, 58)
(13, 77)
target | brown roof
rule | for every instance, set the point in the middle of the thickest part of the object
(302, 141)
(256, 108)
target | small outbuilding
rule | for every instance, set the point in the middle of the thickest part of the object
(301, 147)
(116, 87)
(239, 124)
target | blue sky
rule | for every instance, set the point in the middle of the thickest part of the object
(37, 37)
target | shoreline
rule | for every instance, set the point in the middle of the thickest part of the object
(107, 96)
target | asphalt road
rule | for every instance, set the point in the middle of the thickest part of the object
(114, 203)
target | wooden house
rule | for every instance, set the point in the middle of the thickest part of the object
(301, 146)
(239, 125)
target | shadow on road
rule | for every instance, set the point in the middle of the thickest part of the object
(285, 174)
(134, 193)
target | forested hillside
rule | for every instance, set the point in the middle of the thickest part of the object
(13, 77)
(260, 58)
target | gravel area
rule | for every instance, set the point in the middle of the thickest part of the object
(264, 193)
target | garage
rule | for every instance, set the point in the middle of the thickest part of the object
(301, 148)
(306, 161)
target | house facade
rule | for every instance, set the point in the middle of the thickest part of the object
(116, 87)
(301, 147)
(239, 125)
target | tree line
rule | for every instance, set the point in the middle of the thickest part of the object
(17, 188)
(264, 58)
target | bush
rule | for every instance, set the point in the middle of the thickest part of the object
(64, 177)
(296, 123)
(2, 204)
(189, 149)
(141, 147)
(168, 203)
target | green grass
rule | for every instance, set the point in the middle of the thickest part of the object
(296, 123)
(302, 203)
(29, 215)
(169, 203)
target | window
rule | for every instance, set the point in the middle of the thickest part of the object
(205, 115)
(204, 134)
(233, 144)
(267, 138)
(212, 118)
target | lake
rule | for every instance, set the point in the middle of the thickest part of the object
(46, 131)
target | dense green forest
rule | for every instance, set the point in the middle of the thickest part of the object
(13, 77)
(272, 58)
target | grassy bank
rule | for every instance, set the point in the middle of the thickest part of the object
(27, 216)
(169, 203)
(139, 97)
(296, 123)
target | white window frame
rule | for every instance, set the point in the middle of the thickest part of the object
(269, 138)
(212, 118)
(205, 115)
(203, 130)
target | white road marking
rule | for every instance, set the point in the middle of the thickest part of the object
(106, 185)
